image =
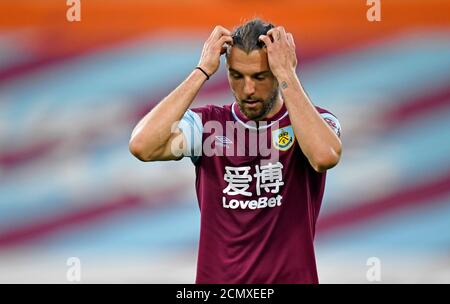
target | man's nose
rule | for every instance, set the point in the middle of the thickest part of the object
(249, 87)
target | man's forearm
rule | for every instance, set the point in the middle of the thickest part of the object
(154, 129)
(317, 140)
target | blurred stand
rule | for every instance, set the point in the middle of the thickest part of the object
(71, 92)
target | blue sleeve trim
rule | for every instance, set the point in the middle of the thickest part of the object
(333, 122)
(192, 127)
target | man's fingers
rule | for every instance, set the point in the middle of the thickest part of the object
(266, 40)
(223, 30)
(273, 34)
(290, 39)
(282, 32)
(224, 39)
(223, 42)
(218, 32)
(277, 33)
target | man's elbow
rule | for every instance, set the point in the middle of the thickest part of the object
(137, 149)
(326, 161)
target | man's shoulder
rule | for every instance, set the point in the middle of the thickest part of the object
(322, 110)
(213, 112)
(331, 119)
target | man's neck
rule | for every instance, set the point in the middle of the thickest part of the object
(275, 109)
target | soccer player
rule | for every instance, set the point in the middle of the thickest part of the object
(258, 209)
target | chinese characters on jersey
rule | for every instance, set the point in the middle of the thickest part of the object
(267, 177)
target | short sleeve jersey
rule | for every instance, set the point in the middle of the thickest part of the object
(258, 195)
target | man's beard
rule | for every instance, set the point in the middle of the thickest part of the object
(258, 114)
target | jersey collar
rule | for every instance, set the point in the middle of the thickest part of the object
(243, 120)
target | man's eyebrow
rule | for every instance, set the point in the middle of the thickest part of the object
(261, 73)
(256, 74)
(234, 71)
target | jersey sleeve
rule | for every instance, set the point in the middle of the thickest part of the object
(191, 126)
(331, 120)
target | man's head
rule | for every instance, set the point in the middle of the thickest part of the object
(252, 83)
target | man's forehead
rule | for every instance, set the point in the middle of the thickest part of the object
(252, 62)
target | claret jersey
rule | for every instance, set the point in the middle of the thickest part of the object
(258, 195)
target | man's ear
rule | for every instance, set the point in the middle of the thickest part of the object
(224, 49)
(228, 51)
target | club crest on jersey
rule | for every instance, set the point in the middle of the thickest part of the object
(283, 138)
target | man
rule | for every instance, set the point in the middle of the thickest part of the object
(258, 212)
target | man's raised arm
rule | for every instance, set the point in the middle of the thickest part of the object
(153, 139)
(320, 144)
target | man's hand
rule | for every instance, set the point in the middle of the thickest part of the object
(213, 48)
(280, 51)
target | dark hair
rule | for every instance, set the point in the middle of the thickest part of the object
(246, 35)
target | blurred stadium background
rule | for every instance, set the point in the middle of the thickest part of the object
(70, 94)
